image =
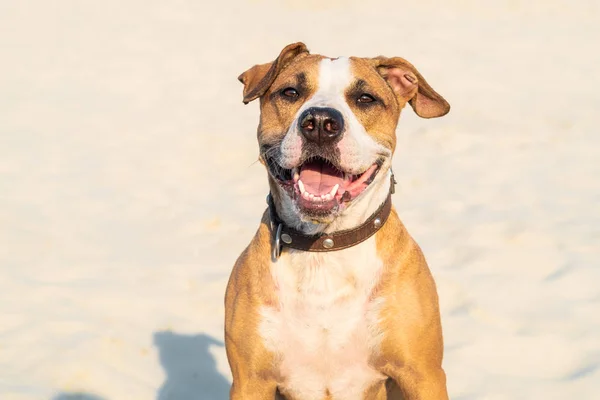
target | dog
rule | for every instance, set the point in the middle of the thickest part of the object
(333, 299)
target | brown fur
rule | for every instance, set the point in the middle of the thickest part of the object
(412, 348)
(250, 287)
(411, 351)
(410, 354)
(380, 123)
(276, 113)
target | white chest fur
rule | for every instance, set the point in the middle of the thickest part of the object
(325, 325)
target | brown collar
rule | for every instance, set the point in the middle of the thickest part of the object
(289, 237)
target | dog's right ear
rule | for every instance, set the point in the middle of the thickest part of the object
(410, 85)
(259, 78)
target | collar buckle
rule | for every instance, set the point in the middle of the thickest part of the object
(277, 246)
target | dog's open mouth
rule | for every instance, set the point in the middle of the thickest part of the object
(318, 186)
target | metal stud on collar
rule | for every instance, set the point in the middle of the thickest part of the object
(328, 243)
(285, 238)
(377, 223)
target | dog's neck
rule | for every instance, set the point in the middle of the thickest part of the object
(357, 212)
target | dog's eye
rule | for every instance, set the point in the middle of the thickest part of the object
(365, 98)
(290, 92)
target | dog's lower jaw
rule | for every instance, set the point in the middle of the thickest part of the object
(352, 215)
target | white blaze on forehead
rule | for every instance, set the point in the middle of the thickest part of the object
(334, 79)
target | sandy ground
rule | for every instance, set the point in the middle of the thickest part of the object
(128, 186)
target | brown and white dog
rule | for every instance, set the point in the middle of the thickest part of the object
(361, 322)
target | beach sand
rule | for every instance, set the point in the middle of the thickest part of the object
(129, 185)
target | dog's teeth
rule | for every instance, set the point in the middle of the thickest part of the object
(318, 198)
(296, 175)
(334, 190)
(301, 187)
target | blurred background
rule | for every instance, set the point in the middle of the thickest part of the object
(129, 185)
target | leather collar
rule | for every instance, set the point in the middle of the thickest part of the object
(284, 236)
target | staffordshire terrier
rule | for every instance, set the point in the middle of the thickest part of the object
(333, 299)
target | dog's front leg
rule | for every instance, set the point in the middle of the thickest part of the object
(250, 385)
(411, 352)
(416, 382)
(252, 364)
(412, 356)
(411, 349)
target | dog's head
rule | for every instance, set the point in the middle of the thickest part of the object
(327, 126)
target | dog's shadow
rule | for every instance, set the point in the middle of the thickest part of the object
(190, 368)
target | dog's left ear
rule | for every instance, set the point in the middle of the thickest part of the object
(410, 85)
(259, 78)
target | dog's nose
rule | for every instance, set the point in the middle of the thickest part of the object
(321, 125)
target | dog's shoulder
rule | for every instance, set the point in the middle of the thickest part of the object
(251, 271)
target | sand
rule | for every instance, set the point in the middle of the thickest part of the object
(129, 185)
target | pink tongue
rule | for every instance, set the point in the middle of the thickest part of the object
(319, 177)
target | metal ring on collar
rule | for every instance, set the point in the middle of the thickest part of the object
(276, 252)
